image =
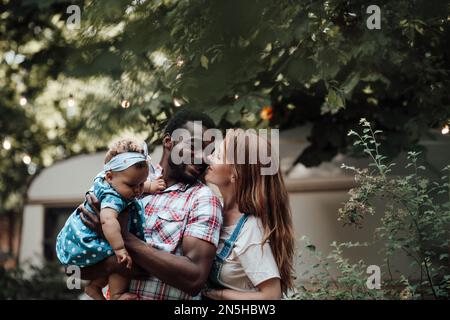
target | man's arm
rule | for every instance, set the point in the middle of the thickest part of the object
(187, 273)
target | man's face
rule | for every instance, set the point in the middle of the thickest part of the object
(190, 172)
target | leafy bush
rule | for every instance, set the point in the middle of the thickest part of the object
(416, 222)
(42, 283)
(349, 285)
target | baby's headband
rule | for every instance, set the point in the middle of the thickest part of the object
(125, 160)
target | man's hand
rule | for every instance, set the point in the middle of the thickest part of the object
(123, 257)
(187, 273)
(92, 221)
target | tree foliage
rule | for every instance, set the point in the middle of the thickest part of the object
(311, 61)
(252, 63)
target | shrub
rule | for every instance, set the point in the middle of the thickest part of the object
(42, 283)
(416, 222)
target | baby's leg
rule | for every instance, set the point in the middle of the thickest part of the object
(118, 285)
(94, 288)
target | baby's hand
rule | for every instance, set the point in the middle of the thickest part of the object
(123, 257)
(157, 185)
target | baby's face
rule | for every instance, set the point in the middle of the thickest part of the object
(129, 183)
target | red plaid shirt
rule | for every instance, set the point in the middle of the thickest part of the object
(178, 211)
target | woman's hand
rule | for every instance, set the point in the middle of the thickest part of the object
(213, 294)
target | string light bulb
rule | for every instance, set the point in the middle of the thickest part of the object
(176, 102)
(125, 104)
(445, 129)
(26, 159)
(23, 101)
(179, 63)
(71, 101)
(7, 144)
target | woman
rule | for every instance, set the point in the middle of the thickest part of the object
(255, 254)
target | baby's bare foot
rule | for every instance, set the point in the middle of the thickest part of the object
(94, 292)
(127, 296)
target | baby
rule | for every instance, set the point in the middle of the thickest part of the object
(117, 188)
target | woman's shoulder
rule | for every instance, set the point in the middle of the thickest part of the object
(254, 223)
(252, 233)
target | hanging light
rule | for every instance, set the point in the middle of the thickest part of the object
(71, 101)
(445, 129)
(23, 101)
(125, 103)
(26, 159)
(7, 144)
(179, 63)
(236, 96)
(177, 102)
(32, 168)
(266, 113)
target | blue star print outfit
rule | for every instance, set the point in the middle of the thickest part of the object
(78, 245)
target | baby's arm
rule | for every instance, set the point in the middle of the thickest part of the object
(153, 186)
(112, 232)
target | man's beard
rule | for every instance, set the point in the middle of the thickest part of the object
(180, 174)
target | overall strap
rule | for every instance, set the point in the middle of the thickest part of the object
(229, 243)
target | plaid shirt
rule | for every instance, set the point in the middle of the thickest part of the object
(178, 211)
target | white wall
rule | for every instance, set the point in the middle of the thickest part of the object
(32, 237)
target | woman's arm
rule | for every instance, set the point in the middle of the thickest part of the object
(268, 290)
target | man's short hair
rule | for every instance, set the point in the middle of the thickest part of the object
(181, 117)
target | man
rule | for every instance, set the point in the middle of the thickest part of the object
(182, 225)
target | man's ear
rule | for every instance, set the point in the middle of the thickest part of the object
(108, 176)
(167, 142)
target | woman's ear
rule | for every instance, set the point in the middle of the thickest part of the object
(234, 174)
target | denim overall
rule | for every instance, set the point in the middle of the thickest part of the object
(226, 251)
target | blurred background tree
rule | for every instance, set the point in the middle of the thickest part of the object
(254, 63)
(276, 63)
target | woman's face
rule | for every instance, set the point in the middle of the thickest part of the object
(218, 172)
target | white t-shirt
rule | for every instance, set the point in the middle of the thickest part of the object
(249, 263)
